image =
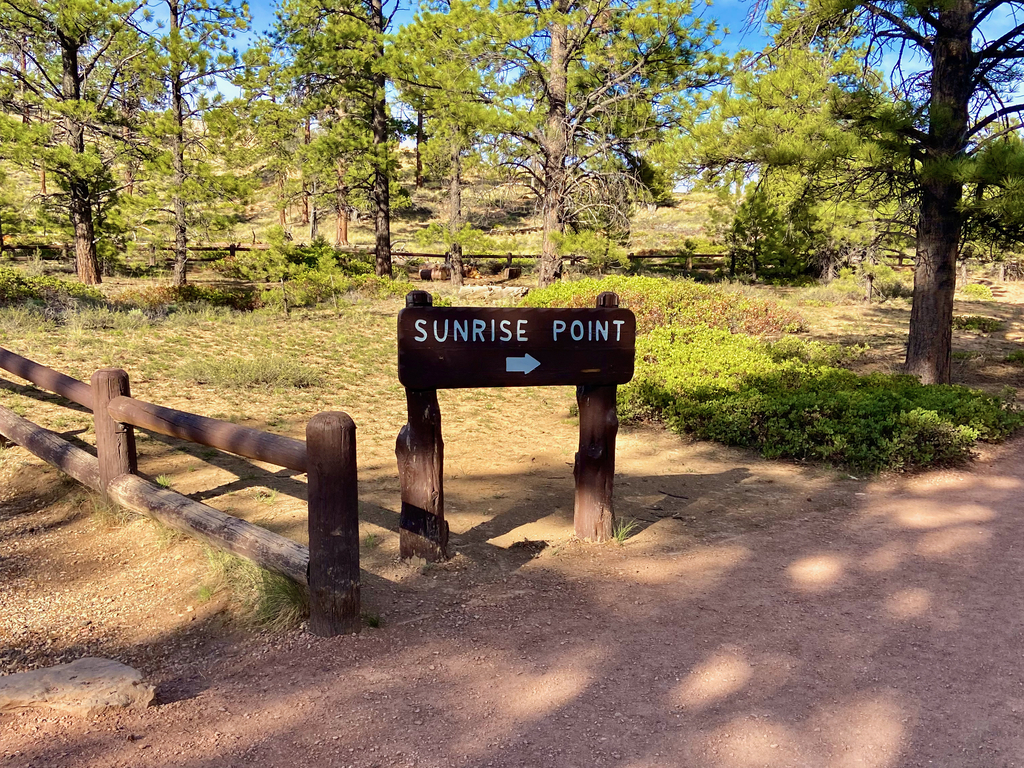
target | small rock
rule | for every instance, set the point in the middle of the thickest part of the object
(85, 687)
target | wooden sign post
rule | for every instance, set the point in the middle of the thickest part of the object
(456, 347)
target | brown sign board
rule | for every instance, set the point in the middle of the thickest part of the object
(454, 347)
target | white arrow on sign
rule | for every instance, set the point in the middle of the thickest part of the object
(523, 364)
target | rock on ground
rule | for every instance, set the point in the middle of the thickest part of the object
(85, 687)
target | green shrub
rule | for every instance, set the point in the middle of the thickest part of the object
(310, 288)
(153, 297)
(285, 260)
(16, 286)
(658, 302)
(1017, 356)
(977, 323)
(790, 403)
(977, 291)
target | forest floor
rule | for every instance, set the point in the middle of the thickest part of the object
(765, 613)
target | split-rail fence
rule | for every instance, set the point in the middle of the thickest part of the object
(328, 568)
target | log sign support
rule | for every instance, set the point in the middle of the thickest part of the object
(454, 347)
(594, 470)
(423, 531)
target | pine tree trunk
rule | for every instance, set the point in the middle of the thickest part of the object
(282, 216)
(380, 194)
(419, 142)
(341, 236)
(80, 203)
(940, 222)
(554, 148)
(86, 262)
(455, 218)
(305, 185)
(178, 160)
(314, 221)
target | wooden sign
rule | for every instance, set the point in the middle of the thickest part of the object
(450, 347)
(454, 347)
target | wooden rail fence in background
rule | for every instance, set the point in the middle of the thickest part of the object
(329, 567)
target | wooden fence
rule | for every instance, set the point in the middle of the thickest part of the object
(692, 261)
(329, 567)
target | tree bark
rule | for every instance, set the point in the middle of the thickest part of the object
(282, 216)
(178, 157)
(554, 149)
(419, 143)
(380, 194)
(940, 221)
(311, 216)
(305, 186)
(87, 263)
(455, 219)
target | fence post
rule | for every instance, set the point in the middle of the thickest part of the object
(115, 442)
(594, 469)
(333, 500)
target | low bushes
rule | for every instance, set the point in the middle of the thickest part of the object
(790, 400)
(978, 292)
(703, 366)
(152, 297)
(977, 323)
(657, 302)
(17, 286)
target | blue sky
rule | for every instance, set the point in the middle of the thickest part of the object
(730, 13)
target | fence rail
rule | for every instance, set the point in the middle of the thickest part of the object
(223, 435)
(329, 567)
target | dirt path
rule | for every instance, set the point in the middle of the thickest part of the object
(867, 625)
(766, 614)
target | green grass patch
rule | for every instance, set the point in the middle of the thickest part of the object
(978, 292)
(977, 323)
(658, 302)
(792, 401)
(266, 600)
(239, 372)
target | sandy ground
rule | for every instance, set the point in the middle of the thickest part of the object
(765, 613)
(825, 622)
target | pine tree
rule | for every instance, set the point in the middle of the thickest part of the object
(583, 89)
(447, 93)
(66, 62)
(187, 57)
(943, 113)
(337, 55)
